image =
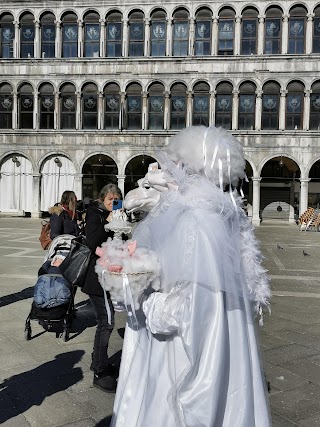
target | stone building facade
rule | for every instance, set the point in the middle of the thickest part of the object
(89, 93)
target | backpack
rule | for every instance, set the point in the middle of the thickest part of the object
(44, 238)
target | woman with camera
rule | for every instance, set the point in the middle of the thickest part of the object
(98, 215)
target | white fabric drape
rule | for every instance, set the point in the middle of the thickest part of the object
(16, 189)
(56, 180)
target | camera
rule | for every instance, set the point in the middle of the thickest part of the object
(117, 204)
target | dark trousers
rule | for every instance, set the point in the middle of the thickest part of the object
(100, 359)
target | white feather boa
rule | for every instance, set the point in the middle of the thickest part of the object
(256, 276)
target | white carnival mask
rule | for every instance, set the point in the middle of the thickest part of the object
(147, 195)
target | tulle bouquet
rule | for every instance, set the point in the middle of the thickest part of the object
(126, 271)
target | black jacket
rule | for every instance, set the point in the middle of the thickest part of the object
(96, 218)
(62, 223)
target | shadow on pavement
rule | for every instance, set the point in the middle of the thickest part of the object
(18, 296)
(20, 392)
(105, 422)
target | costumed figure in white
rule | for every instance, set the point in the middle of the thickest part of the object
(190, 355)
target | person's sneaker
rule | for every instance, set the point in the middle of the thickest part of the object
(105, 383)
(112, 370)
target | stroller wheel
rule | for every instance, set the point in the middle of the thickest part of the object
(27, 333)
(65, 335)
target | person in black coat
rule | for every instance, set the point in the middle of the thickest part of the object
(64, 216)
(97, 216)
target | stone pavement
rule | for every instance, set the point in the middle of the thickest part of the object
(47, 382)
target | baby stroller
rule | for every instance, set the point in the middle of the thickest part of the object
(53, 303)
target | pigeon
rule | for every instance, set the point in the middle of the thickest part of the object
(305, 253)
(279, 247)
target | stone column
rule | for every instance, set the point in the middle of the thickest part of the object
(36, 195)
(306, 109)
(285, 34)
(189, 108)
(282, 109)
(144, 110)
(35, 110)
(291, 204)
(121, 179)
(304, 191)
(56, 110)
(78, 185)
(125, 40)
(261, 35)
(79, 111)
(191, 37)
(256, 201)
(235, 109)
(169, 37)
(58, 40)
(100, 111)
(258, 111)
(237, 36)
(80, 38)
(166, 117)
(102, 38)
(122, 119)
(309, 33)
(37, 42)
(212, 107)
(15, 110)
(147, 37)
(16, 43)
(214, 36)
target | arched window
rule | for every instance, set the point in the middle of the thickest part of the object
(270, 105)
(136, 34)
(223, 115)
(272, 37)
(114, 35)
(315, 107)
(46, 106)
(156, 106)
(27, 33)
(91, 35)
(294, 107)
(6, 36)
(178, 106)
(247, 103)
(249, 31)
(203, 32)
(201, 103)
(134, 107)
(48, 35)
(68, 106)
(26, 107)
(180, 33)
(226, 32)
(316, 31)
(297, 24)
(6, 105)
(69, 35)
(89, 106)
(112, 106)
(158, 33)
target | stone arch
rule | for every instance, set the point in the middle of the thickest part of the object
(98, 169)
(279, 187)
(136, 168)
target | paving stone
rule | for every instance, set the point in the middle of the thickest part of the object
(288, 353)
(313, 421)
(278, 421)
(305, 368)
(297, 403)
(282, 378)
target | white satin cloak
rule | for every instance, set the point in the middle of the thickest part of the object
(200, 365)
